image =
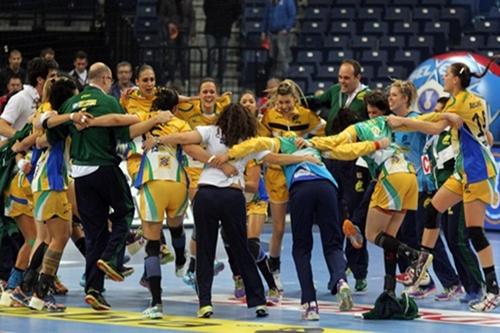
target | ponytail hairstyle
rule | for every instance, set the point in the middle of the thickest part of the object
(407, 89)
(286, 87)
(462, 71)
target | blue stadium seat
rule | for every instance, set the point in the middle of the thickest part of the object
(409, 3)
(386, 72)
(493, 42)
(309, 57)
(253, 13)
(317, 84)
(392, 43)
(316, 14)
(336, 42)
(441, 33)
(486, 28)
(379, 83)
(146, 25)
(405, 28)
(144, 10)
(370, 13)
(434, 3)
(312, 40)
(336, 56)
(250, 27)
(425, 44)
(472, 42)
(430, 14)
(367, 73)
(313, 27)
(374, 58)
(407, 58)
(342, 13)
(327, 72)
(493, 14)
(343, 28)
(300, 71)
(364, 42)
(377, 3)
(456, 16)
(375, 28)
(397, 13)
(348, 3)
(319, 3)
(260, 3)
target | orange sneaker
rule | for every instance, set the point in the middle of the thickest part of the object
(353, 233)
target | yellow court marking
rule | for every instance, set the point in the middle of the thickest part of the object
(169, 322)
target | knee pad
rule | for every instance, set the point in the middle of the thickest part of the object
(478, 238)
(431, 215)
(254, 247)
(153, 248)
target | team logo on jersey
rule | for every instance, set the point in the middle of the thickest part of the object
(164, 161)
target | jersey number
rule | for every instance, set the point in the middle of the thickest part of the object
(480, 125)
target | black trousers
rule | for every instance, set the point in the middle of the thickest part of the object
(96, 193)
(227, 205)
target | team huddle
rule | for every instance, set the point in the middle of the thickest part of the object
(369, 170)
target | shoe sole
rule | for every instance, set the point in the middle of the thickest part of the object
(428, 262)
(206, 315)
(351, 231)
(109, 271)
(95, 304)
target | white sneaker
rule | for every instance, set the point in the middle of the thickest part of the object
(277, 280)
(488, 303)
(344, 296)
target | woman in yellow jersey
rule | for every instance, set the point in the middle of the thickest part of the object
(475, 172)
(202, 111)
(285, 115)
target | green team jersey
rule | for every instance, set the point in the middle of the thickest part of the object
(389, 160)
(441, 156)
(94, 146)
(335, 100)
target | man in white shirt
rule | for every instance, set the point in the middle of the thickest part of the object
(23, 104)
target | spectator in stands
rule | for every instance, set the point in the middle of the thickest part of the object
(79, 72)
(48, 53)
(13, 67)
(348, 94)
(124, 79)
(278, 21)
(221, 14)
(14, 85)
(179, 29)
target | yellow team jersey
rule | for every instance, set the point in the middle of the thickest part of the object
(135, 102)
(474, 162)
(164, 162)
(302, 122)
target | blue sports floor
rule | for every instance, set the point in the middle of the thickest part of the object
(128, 299)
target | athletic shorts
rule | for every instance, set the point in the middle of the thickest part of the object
(484, 190)
(194, 177)
(158, 197)
(275, 182)
(396, 192)
(257, 208)
(18, 198)
(49, 204)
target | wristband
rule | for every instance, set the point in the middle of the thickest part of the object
(211, 159)
(22, 163)
(377, 145)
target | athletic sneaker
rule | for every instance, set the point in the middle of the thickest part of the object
(420, 267)
(153, 312)
(261, 311)
(127, 271)
(83, 280)
(110, 270)
(488, 303)
(277, 280)
(274, 297)
(59, 287)
(218, 267)
(361, 286)
(449, 294)
(406, 278)
(344, 296)
(190, 279)
(180, 270)
(422, 292)
(17, 295)
(166, 255)
(5, 300)
(469, 297)
(311, 311)
(48, 304)
(205, 311)
(135, 242)
(239, 288)
(353, 233)
(95, 299)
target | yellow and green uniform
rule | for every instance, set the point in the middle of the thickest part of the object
(475, 167)
(191, 112)
(161, 179)
(397, 187)
(302, 122)
(257, 202)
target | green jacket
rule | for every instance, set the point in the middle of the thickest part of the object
(334, 100)
(95, 145)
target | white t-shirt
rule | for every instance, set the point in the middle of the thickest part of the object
(212, 139)
(20, 107)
